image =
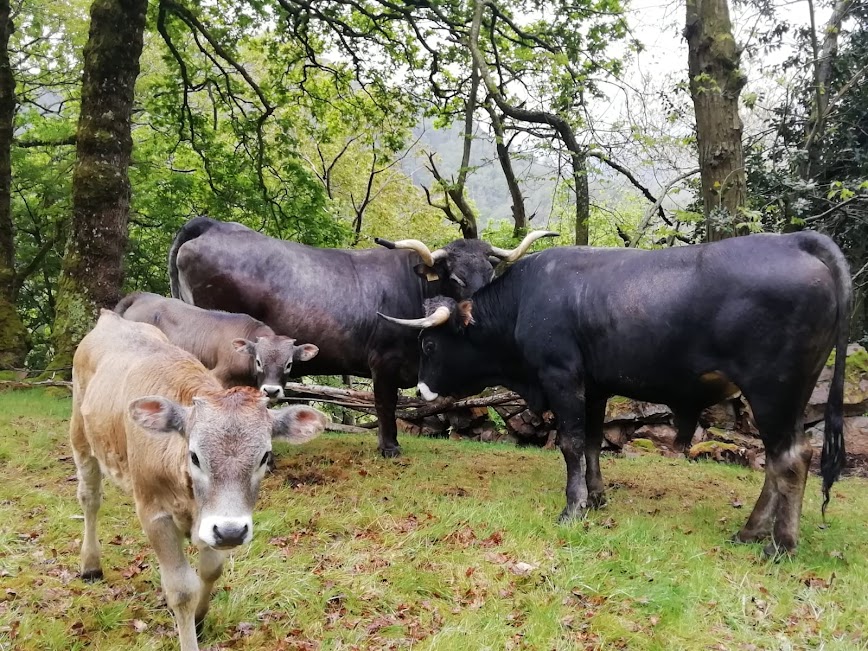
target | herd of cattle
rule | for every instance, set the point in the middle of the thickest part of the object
(170, 397)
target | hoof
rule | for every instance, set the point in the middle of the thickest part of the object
(571, 514)
(744, 537)
(390, 453)
(775, 551)
(597, 500)
(92, 575)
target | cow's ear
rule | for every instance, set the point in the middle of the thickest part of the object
(243, 346)
(465, 312)
(305, 352)
(297, 424)
(426, 272)
(158, 414)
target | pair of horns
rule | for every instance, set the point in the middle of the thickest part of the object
(429, 257)
(437, 317)
(511, 255)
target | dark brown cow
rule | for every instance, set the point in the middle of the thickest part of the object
(331, 296)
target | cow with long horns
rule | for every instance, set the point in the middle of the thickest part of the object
(331, 297)
(687, 326)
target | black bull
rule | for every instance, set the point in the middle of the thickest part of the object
(331, 297)
(569, 327)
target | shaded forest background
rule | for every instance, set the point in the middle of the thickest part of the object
(333, 122)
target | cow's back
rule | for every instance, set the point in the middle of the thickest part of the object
(329, 297)
(116, 363)
(648, 321)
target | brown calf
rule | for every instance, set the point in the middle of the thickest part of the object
(151, 417)
(238, 349)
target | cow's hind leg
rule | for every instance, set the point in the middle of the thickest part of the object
(788, 456)
(210, 569)
(685, 420)
(789, 468)
(759, 524)
(386, 400)
(90, 498)
(595, 415)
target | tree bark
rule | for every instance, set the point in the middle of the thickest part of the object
(715, 84)
(824, 59)
(578, 155)
(519, 214)
(14, 341)
(93, 262)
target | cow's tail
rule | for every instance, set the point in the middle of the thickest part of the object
(189, 231)
(833, 457)
(125, 303)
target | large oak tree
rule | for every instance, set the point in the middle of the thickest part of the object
(93, 263)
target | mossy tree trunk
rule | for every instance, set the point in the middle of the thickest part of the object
(14, 341)
(715, 84)
(93, 262)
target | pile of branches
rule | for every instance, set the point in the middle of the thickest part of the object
(409, 409)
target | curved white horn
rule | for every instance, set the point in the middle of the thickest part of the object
(511, 255)
(438, 316)
(420, 248)
(439, 254)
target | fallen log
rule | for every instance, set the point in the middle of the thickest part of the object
(409, 408)
(19, 384)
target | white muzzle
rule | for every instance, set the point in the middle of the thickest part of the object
(427, 393)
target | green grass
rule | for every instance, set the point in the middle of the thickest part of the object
(452, 547)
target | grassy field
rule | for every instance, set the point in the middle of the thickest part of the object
(452, 547)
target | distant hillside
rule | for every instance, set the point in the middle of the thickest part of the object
(485, 184)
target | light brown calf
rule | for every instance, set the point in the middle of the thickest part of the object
(151, 417)
(239, 350)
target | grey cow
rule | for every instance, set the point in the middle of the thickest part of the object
(238, 349)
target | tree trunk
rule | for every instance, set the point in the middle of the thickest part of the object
(715, 84)
(578, 155)
(93, 262)
(14, 342)
(519, 215)
(824, 60)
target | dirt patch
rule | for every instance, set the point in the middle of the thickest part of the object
(302, 473)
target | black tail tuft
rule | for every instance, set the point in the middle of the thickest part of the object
(833, 456)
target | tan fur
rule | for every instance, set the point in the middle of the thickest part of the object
(118, 364)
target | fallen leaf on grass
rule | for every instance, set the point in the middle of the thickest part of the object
(813, 581)
(522, 569)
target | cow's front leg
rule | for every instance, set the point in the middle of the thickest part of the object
(566, 398)
(386, 399)
(181, 585)
(596, 413)
(210, 569)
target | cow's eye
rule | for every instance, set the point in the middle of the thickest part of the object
(265, 458)
(429, 347)
(194, 459)
(258, 364)
(288, 367)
